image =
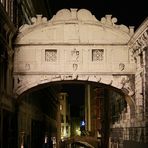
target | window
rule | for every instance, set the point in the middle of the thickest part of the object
(61, 107)
(97, 54)
(50, 55)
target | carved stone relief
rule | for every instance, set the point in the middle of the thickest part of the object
(121, 66)
(75, 55)
(121, 82)
(27, 66)
(127, 84)
(139, 45)
(75, 67)
(75, 58)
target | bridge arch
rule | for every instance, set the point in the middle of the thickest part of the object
(73, 45)
(128, 98)
(107, 83)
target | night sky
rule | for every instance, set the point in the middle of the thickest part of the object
(76, 95)
(128, 12)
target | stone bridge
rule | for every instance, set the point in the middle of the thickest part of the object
(73, 45)
(84, 140)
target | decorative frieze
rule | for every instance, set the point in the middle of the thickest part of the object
(75, 54)
(120, 82)
(70, 26)
(75, 58)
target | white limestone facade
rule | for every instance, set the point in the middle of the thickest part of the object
(73, 45)
(139, 48)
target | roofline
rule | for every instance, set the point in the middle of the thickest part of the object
(139, 31)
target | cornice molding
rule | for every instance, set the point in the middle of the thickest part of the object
(74, 16)
(139, 41)
(105, 31)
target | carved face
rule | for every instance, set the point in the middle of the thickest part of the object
(121, 66)
(75, 66)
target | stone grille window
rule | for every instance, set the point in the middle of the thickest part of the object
(97, 54)
(50, 55)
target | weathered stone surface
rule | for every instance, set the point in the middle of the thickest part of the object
(74, 45)
(74, 26)
(71, 46)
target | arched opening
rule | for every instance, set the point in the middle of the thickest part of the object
(71, 109)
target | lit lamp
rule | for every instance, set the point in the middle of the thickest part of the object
(22, 138)
(82, 127)
(78, 131)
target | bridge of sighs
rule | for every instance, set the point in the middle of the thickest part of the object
(75, 46)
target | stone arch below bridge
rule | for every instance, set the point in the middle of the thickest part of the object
(121, 83)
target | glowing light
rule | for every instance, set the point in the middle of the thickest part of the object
(78, 132)
(82, 123)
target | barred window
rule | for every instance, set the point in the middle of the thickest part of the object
(97, 54)
(50, 55)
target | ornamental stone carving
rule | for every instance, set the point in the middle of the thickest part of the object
(69, 26)
(121, 82)
(121, 66)
(75, 55)
(139, 41)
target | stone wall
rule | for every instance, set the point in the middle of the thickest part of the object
(37, 118)
(139, 45)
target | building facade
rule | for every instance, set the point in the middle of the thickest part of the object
(9, 23)
(21, 122)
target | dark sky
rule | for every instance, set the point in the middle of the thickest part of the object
(76, 94)
(128, 12)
